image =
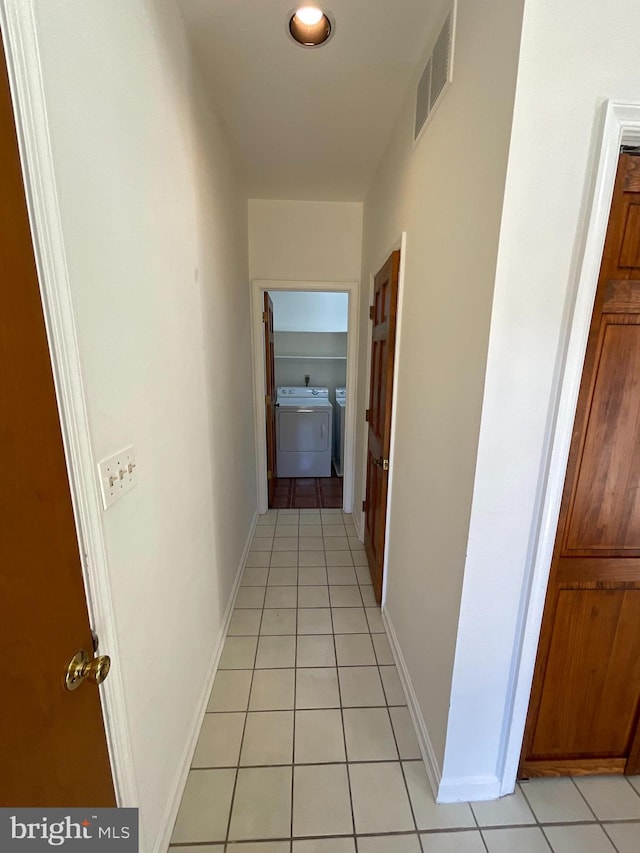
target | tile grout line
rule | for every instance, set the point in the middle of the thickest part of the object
(479, 828)
(546, 825)
(393, 731)
(227, 840)
(295, 696)
(611, 841)
(405, 832)
(395, 740)
(295, 702)
(244, 729)
(536, 823)
(577, 787)
(379, 761)
(344, 737)
(391, 834)
(522, 785)
(592, 810)
(531, 809)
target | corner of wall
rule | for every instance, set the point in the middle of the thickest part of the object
(445, 789)
(426, 748)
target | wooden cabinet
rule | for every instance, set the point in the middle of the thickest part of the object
(585, 703)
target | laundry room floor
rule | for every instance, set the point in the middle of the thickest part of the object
(308, 746)
(308, 493)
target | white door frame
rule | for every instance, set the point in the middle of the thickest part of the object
(351, 288)
(19, 32)
(621, 126)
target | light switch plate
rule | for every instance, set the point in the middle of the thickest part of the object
(118, 475)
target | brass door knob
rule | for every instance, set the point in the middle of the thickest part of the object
(83, 667)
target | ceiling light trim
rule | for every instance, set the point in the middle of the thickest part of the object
(326, 24)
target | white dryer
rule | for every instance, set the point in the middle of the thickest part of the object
(304, 426)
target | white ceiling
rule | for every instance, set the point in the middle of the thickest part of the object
(309, 123)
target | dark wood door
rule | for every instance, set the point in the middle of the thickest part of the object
(383, 337)
(585, 703)
(53, 749)
(270, 395)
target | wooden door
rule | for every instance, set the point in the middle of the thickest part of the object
(383, 337)
(585, 703)
(53, 749)
(270, 395)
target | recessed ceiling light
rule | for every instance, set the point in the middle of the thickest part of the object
(310, 26)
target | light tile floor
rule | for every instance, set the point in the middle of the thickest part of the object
(308, 747)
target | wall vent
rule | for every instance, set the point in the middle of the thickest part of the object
(437, 73)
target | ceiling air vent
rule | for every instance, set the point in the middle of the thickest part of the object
(436, 74)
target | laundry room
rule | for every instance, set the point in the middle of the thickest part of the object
(310, 359)
(310, 339)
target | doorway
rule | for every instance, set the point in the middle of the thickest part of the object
(309, 346)
(312, 357)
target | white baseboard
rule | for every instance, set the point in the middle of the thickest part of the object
(445, 790)
(164, 835)
(469, 789)
(357, 523)
(424, 741)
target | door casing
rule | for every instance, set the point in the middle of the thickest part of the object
(270, 396)
(621, 126)
(259, 390)
(17, 22)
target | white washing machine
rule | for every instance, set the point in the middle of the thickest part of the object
(338, 430)
(304, 426)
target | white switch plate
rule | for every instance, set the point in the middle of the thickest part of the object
(117, 475)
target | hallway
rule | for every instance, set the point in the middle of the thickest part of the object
(163, 193)
(308, 746)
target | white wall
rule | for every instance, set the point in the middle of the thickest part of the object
(310, 323)
(574, 56)
(305, 240)
(446, 193)
(295, 311)
(328, 371)
(302, 241)
(154, 224)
